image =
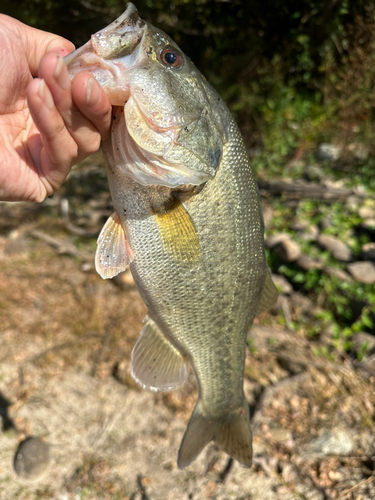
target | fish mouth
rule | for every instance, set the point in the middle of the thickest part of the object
(110, 53)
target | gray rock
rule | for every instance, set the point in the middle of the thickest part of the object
(274, 239)
(282, 284)
(366, 213)
(332, 442)
(364, 272)
(288, 250)
(368, 251)
(314, 173)
(306, 262)
(325, 223)
(328, 152)
(338, 249)
(360, 151)
(267, 213)
(363, 339)
(338, 273)
(31, 458)
(353, 202)
(369, 224)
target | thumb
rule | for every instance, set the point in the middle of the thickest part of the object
(37, 43)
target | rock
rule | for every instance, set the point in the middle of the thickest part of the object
(274, 239)
(332, 442)
(288, 250)
(368, 251)
(366, 213)
(328, 152)
(353, 202)
(360, 151)
(314, 173)
(306, 262)
(338, 273)
(338, 249)
(364, 272)
(282, 284)
(325, 223)
(31, 459)
(306, 231)
(267, 213)
(369, 224)
(363, 341)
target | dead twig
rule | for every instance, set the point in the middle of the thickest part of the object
(306, 190)
(361, 483)
(61, 246)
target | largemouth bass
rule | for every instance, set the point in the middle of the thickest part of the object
(187, 219)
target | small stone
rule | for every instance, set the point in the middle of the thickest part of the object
(306, 262)
(288, 250)
(360, 151)
(338, 249)
(31, 458)
(274, 239)
(338, 273)
(267, 213)
(314, 173)
(353, 202)
(363, 340)
(366, 213)
(124, 280)
(332, 442)
(282, 284)
(369, 224)
(325, 223)
(368, 251)
(364, 272)
(328, 152)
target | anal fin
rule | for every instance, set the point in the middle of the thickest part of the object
(155, 363)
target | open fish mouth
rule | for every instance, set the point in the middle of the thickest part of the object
(110, 53)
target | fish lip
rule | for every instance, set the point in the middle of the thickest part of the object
(110, 53)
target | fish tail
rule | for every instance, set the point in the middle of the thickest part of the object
(231, 432)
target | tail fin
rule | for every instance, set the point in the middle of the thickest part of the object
(232, 433)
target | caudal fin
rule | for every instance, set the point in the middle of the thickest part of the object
(232, 433)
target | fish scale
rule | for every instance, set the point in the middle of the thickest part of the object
(189, 215)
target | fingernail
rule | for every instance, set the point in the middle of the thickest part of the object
(92, 91)
(45, 95)
(61, 74)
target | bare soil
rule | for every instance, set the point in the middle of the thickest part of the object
(65, 344)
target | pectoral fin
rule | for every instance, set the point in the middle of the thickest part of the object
(178, 233)
(113, 253)
(269, 294)
(156, 364)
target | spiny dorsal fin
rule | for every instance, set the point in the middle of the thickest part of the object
(156, 363)
(269, 294)
(178, 233)
(113, 253)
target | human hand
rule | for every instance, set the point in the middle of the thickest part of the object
(47, 124)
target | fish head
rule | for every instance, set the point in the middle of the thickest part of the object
(169, 130)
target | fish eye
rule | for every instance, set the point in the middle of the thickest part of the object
(171, 58)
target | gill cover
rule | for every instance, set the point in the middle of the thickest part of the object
(166, 132)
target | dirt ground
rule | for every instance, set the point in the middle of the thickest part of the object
(65, 344)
